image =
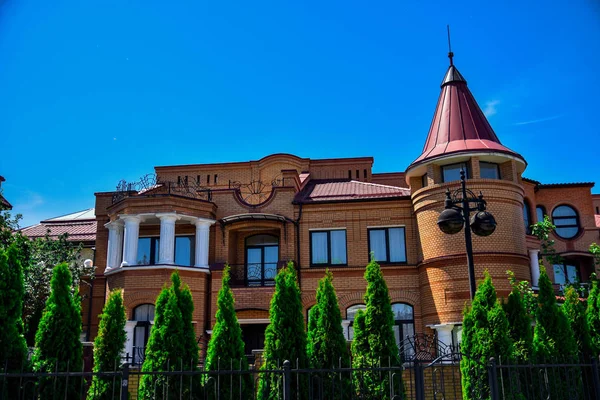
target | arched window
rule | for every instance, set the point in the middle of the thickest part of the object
(404, 327)
(350, 315)
(144, 315)
(527, 217)
(540, 212)
(566, 221)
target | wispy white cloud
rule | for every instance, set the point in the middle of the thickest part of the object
(535, 121)
(490, 108)
(30, 201)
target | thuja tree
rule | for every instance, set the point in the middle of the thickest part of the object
(379, 330)
(519, 322)
(574, 309)
(326, 342)
(226, 350)
(360, 354)
(108, 347)
(57, 340)
(172, 345)
(13, 349)
(285, 337)
(592, 315)
(485, 335)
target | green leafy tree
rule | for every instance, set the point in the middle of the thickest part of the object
(326, 342)
(57, 340)
(285, 337)
(381, 348)
(108, 347)
(13, 349)
(485, 335)
(519, 322)
(592, 315)
(541, 230)
(172, 345)
(226, 350)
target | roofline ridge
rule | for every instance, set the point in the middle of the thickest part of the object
(380, 185)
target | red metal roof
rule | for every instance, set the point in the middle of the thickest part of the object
(458, 124)
(80, 226)
(336, 190)
(597, 217)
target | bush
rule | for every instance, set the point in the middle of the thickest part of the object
(226, 350)
(172, 344)
(592, 315)
(108, 347)
(58, 346)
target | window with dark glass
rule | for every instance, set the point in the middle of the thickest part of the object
(387, 245)
(328, 247)
(350, 315)
(566, 221)
(489, 170)
(566, 273)
(184, 250)
(404, 328)
(147, 253)
(540, 212)
(216, 179)
(144, 316)
(527, 217)
(424, 180)
(452, 172)
(262, 258)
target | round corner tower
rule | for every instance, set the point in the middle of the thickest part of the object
(460, 137)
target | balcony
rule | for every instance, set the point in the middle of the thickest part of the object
(252, 274)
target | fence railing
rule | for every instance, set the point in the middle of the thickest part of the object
(416, 380)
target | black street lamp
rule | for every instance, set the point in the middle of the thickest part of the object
(457, 214)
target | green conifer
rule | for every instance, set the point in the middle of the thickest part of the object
(285, 337)
(519, 323)
(57, 340)
(574, 310)
(172, 345)
(485, 335)
(592, 315)
(360, 353)
(13, 349)
(226, 350)
(108, 347)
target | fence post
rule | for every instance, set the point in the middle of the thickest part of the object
(287, 380)
(419, 381)
(596, 377)
(125, 382)
(493, 379)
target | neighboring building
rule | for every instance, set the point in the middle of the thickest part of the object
(332, 213)
(5, 204)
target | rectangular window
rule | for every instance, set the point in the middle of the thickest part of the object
(215, 180)
(452, 172)
(388, 245)
(328, 247)
(147, 253)
(208, 179)
(489, 170)
(424, 181)
(565, 274)
(184, 250)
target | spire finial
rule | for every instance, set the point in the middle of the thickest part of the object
(450, 53)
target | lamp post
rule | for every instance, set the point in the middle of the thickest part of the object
(457, 214)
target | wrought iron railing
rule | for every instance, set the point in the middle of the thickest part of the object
(151, 185)
(254, 274)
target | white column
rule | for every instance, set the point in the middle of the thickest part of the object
(129, 327)
(444, 334)
(166, 253)
(115, 244)
(202, 242)
(132, 233)
(345, 328)
(534, 259)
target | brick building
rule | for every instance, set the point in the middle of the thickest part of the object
(332, 213)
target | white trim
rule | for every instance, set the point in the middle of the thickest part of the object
(328, 229)
(244, 321)
(150, 267)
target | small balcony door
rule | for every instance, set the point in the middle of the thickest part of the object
(262, 258)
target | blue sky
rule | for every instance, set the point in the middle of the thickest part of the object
(93, 92)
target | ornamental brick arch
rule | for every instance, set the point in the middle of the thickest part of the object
(351, 299)
(308, 300)
(138, 298)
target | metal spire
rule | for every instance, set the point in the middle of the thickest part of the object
(450, 53)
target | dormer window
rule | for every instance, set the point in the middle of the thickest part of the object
(489, 170)
(452, 172)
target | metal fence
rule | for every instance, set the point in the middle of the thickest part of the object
(415, 380)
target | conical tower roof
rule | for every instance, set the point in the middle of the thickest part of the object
(459, 125)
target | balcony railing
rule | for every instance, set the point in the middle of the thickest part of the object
(253, 274)
(150, 185)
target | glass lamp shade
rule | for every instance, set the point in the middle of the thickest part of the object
(450, 221)
(483, 223)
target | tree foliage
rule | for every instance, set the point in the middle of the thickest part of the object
(285, 337)
(485, 335)
(519, 322)
(172, 345)
(574, 309)
(57, 340)
(108, 347)
(226, 349)
(592, 315)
